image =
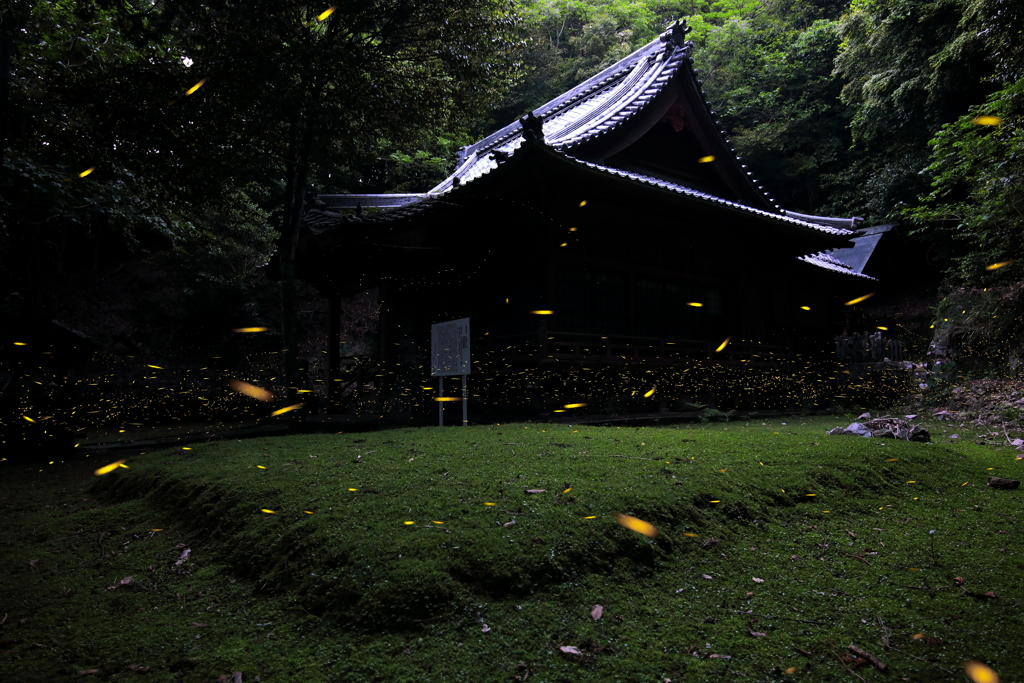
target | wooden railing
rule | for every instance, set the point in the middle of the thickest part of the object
(868, 347)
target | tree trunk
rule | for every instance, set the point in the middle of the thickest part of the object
(296, 176)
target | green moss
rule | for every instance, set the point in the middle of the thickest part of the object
(831, 525)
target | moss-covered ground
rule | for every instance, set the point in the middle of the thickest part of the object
(421, 555)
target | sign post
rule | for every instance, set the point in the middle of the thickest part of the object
(449, 355)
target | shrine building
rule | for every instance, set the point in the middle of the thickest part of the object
(609, 243)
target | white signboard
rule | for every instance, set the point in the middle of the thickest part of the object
(449, 348)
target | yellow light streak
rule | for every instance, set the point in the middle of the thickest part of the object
(979, 673)
(851, 302)
(86, 172)
(997, 266)
(107, 469)
(250, 329)
(326, 13)
(195, 87)
(704, 160)
(281, 411)
(637, 525)
(986, 121)
(723, 344)
(250, 390)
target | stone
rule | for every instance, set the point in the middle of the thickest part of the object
(884, 428)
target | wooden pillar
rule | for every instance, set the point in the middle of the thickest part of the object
(333, 351)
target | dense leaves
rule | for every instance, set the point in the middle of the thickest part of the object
(844, 108)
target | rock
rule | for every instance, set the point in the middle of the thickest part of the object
(884, 428)
(858, 429)
(1001, 483)
(919, 433)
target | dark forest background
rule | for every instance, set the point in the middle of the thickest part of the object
(141, 210)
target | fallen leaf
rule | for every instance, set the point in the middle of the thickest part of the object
(756, 634)
(486, 628)
(597, 612)
(707, 576)
(535, 490)
(32, 563)
(757, 580)
(196, 624)
(569, 649)
(184, 556)
(791, 669)
(917, 636)
(85, 672)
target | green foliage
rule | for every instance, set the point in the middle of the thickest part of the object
(780, 100)
(909, 67)
(900, 74)
(975, 203)
(423, 169)
(982, 329)
(350, 592)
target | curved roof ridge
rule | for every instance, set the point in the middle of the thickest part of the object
(646, 85)
(833, 221)
(596, 82)
(596, 106)
(682, 189)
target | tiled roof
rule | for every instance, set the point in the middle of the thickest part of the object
(681, 189)
(864, 242)
(848, 223)
(824, 260)
(592, 109)
(595, 108)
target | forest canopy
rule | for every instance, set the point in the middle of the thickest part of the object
(188, 134)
